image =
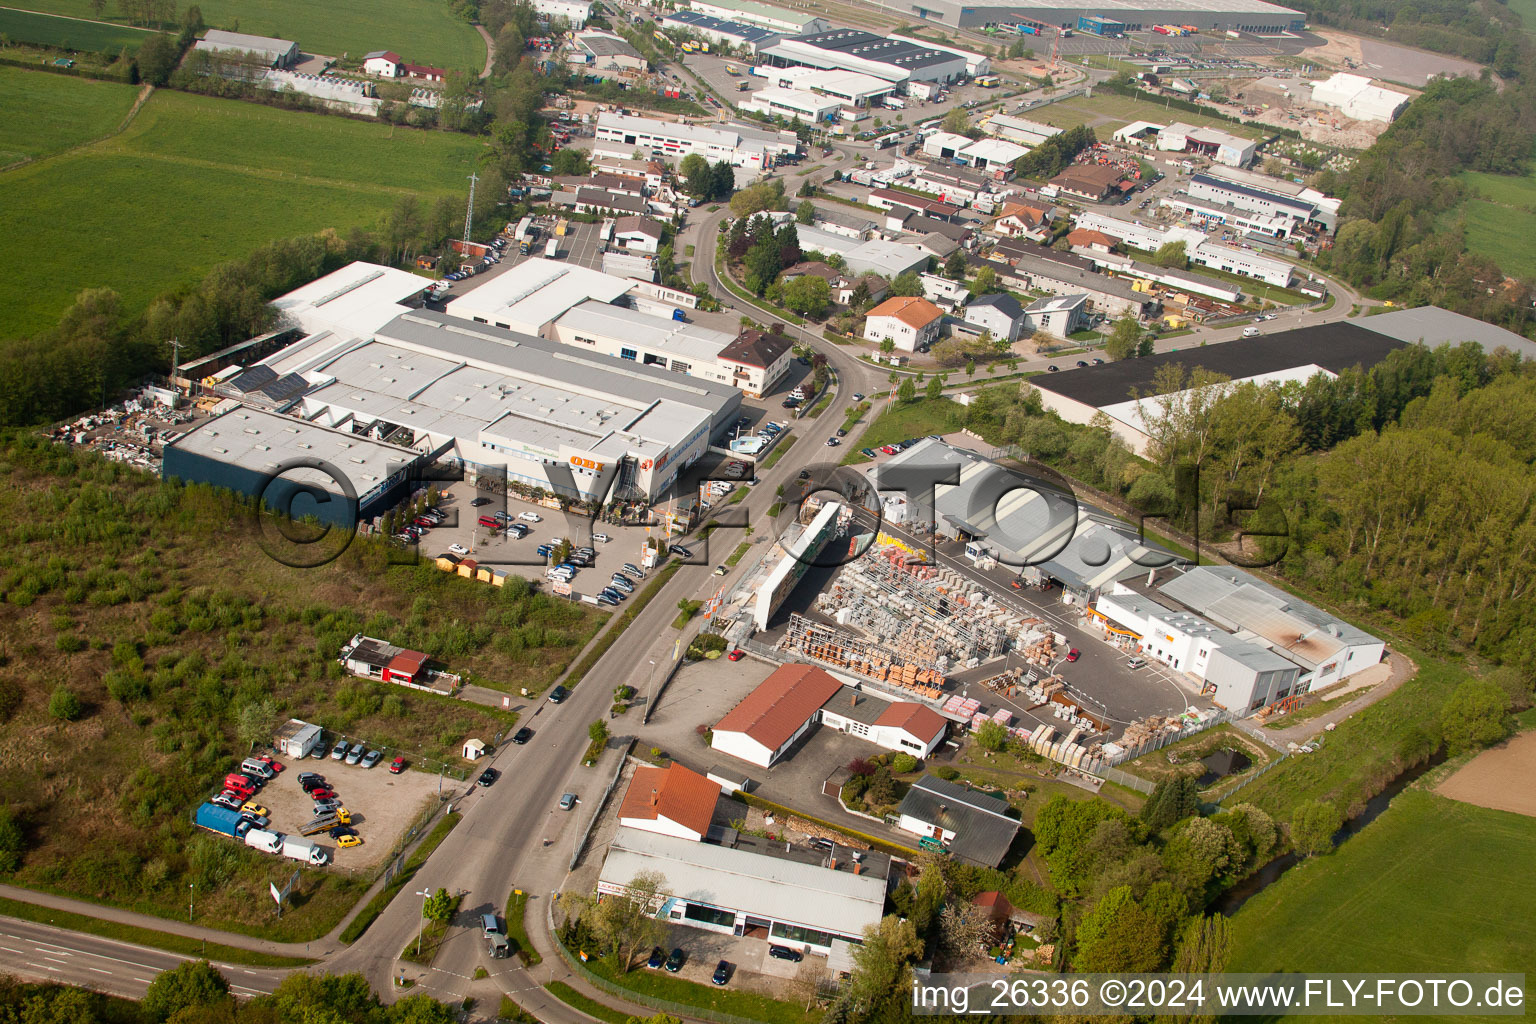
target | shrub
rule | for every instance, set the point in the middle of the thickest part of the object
(903, 763)
(946, 772)
(64, 705)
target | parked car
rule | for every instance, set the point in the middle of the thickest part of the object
(479, 502)
(355, 755)
(1052, 369)
(604, 599)
(228, 799)
(722, 973)
(530, 517)
(658, 957)
(785, 953)
(1082, 362)
(629, 567)
(325, 806)
(567, 801)
(458, 549)
(736, 654)
(1074, 654)
(558, 695)
(1135, 663)
(322, 793)
(349, 841)
(309, 779)
(601, 538)
(889, 449)
(397, 766)
(522, 735)
(371, 758)
(488, 778)
(255, 810)
(339, 751)
(868, 453)
(675, 961)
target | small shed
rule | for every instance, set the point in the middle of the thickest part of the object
(474, 750)
(296, 738)
(467, 568)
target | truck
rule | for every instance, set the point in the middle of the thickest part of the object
(306, 850)
(552, 249)
(223, 820)
(264, 840)
(743, 86)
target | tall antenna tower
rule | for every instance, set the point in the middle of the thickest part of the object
(469, 212)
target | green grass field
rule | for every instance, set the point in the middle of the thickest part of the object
(1431, 885)
(1527, 11)
(900, 422)
(196, 180)
(1108, 112)
(1502, 226)
(422, 31)
(68, 33)
(45, 113)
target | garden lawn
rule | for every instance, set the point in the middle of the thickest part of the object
(68, 33)
(421, 31)
(1432, 885)
(195, 181)
(43, 113)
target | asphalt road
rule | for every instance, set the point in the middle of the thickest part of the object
(47, 953)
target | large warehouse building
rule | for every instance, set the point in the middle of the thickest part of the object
(1253, 16)
(738, 145)
(890, 58)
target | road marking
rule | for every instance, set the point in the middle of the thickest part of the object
(8, 949)
(55, 959)
(251, 991)
(42, 967)
(98, 970)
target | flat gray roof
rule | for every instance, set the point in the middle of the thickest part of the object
(1435, 326)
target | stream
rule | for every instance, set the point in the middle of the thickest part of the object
(1233, 899)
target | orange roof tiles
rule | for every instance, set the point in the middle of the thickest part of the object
(675, 793)
(919, 720)
(780, 705)
(910, 310)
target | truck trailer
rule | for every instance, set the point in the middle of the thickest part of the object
(305, 850)
(223, 820)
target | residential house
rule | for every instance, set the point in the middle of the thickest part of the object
(637, 234)
(975, 827)
(757, 361)
(1060, 315)
(910, 323)
(671, 801)
(1094, 182)
(1087, 238)
(384, 63)
(999, 312)
(1020, 220)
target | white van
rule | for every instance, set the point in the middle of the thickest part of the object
(251, 766)
(1250, 332)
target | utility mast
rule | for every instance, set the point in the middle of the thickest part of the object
(469, 212)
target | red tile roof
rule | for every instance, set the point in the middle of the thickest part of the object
(407, 663)
(919, 720)
(910, 310)
(780, 705)
(675, 793)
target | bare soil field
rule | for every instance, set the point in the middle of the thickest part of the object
(1499, 778)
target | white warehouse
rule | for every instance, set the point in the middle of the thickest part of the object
(1355, 96)
(738, 145)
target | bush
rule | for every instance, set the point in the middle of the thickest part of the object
(946, 772)
(64, 705)
(903, 763)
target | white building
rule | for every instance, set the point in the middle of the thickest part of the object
(798, 898)
(353, 301)
(648, 340)
(777, 18)
(670, 801)
(722, 32)
(637, 234)
(1355, 96)
(1000, 313)
(772, 718)
(1243, 263)
(1017, 129)
(573, 13)
(895, 59)
(604, 51)
(910, 323)
(854, 89)
(945, 145)
(974, 826)
(1209, 214)
(532, 295)
(1220, 146)
(793, 105)
(1150, 237)
(1060, 315)
(904, 727)
(384, 63)
(738, 145)
(993, 155)
(1265, 195)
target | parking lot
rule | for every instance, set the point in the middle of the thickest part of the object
(382, 805)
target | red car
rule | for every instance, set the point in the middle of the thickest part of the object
(267, 760)
(322, 793)
(737, 654)
(1016, 584)
(1074, 654)
(397, 766)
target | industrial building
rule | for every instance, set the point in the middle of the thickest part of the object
(354, 300)
(1061, 315)
(1248, 643)
(1209, 214)
(1019, 520)
(738, 145)
(532, 295)
(604, 51)
(1354, 96)
(274, 53)
(876, 256)
(769, 721)
(747, 886)
(776, 18)
(1222, 147)
(1263, 194)
(1078, 395)
(1035, 267)
(1200, 250)
(574, 13)
(676, 346)
(893, 59)
(1017, 129)
(854, 89)
(971, 825)
(793, 105)
(303, 470)
(1254, 16)
(722, 31)
(1244, 263)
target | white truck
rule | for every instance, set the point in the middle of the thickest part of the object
(264, 840)
(305, 850)
(552, 249)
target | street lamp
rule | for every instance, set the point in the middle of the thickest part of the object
(422, 924)
(191, 889)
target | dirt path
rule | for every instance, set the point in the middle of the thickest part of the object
(145, 92)
(490, 50)
(1403, 669)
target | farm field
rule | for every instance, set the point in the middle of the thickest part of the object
(68, 33)
(183, 643)
(1108, 112)
(1503, 226)
(43, 113)
(421, 31)
(1498, 777)
(1431, 885)
(171, 178)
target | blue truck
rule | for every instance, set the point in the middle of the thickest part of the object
(223, 820)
